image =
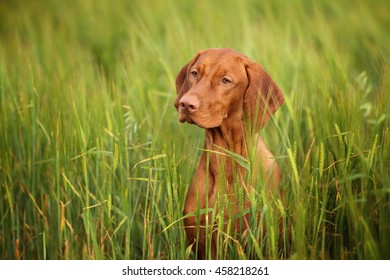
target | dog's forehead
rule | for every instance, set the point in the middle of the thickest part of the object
(226, 60)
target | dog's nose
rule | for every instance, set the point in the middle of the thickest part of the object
(189, 103)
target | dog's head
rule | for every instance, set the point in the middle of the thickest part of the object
(222, 84)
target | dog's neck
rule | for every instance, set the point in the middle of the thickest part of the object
(231, 136)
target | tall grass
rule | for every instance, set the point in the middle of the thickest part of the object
(94, 164)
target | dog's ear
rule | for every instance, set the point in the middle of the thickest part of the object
(182, 85)
(262, 97)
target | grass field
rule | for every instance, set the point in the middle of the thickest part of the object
(95, 165)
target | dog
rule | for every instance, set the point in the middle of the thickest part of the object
(232, 98)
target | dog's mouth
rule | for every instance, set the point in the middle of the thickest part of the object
(203, 121)
(185, 117)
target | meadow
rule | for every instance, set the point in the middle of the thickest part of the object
(95, 165)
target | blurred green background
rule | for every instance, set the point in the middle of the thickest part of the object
(94, 164)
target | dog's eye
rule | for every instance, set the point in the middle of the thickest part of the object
(194, 73)
(226, 80)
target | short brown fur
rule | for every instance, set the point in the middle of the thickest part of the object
(223, 91)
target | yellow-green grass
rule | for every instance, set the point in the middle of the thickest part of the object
(95, 165)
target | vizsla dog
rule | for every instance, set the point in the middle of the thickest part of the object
(232, 98)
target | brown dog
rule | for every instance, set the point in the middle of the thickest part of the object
(231, 97)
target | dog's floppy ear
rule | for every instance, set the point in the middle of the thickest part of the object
(262, 97)
(182, 85)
